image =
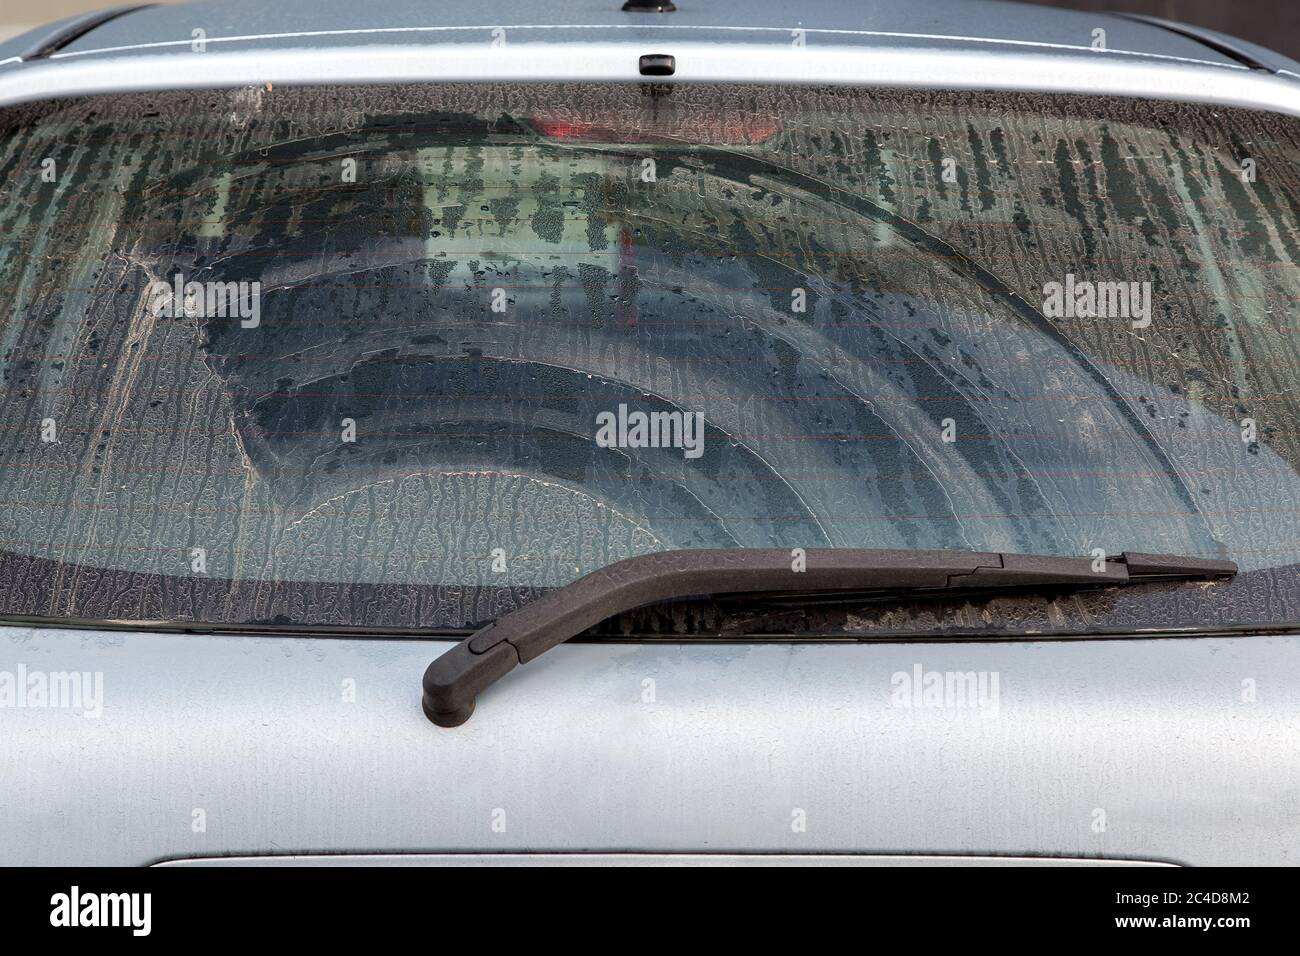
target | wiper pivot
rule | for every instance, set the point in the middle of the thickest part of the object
(453, 682)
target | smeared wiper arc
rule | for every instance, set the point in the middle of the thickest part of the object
(453, 682)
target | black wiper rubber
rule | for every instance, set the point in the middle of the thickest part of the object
(454, 680)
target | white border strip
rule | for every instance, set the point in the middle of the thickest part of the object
(617, 62)
(598, 858)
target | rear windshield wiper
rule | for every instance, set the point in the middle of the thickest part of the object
(454, 680)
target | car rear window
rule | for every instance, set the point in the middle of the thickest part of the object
(398, 357)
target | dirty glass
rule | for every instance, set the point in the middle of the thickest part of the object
(389, 357)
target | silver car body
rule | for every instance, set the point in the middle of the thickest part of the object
(193, 746)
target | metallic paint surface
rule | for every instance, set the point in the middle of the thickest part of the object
(606, 61)
(255, 732)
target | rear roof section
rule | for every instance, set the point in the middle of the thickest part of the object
(940, 24)
(939, 44)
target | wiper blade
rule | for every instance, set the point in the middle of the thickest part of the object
(453, 682)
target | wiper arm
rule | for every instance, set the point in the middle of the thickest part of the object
(454, 680)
